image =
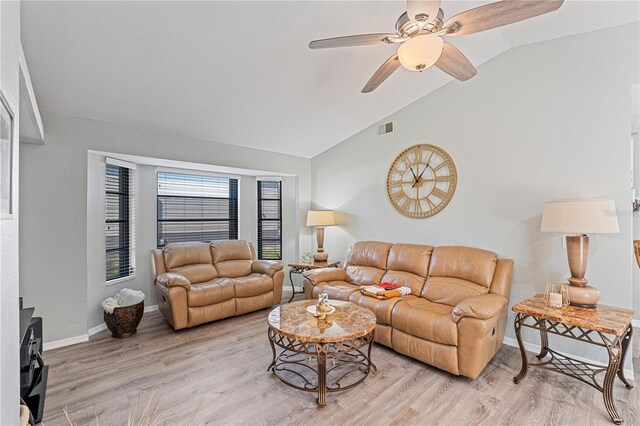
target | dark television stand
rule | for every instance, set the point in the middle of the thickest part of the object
(33, 371)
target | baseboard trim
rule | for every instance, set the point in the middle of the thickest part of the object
(85, 337)
(97, 329)
(151, 308)
(510, 341)
(65, 342)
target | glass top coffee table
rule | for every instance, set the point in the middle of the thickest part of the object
(321, 356)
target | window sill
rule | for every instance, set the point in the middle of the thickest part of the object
(120, 280)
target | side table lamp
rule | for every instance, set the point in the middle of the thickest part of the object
(580, 218)
(320, 219)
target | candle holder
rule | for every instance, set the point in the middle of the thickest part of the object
(556, 295)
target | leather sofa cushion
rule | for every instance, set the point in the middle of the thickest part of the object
(181, 254)
(339, 290)
(232, 258)
(406, 279)
(364, 275)
(252, 285)
(210, 293)
(198, 273)
(234, 268)
(466, 263)
(193, 260)
(424, 319)
(451, 291)
(413, 258)
(368, 253)
(230, 250)
(381, 308)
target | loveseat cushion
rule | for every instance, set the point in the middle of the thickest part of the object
(428, 320)
(193, 260)
(367, 262)
(232, 258)
(211, 292)
(381, 308)
(408, 266)
(252, 285)
(339, 290)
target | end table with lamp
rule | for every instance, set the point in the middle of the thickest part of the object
(605, 326)
(300, 267)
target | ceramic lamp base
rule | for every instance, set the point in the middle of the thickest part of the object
(320, 256)
(583, 296)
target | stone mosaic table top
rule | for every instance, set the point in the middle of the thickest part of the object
(602, 318)
(348, 322)
(314, 265)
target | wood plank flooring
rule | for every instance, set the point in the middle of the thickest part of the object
(217, 374)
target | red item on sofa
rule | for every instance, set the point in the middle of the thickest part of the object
(383, 285)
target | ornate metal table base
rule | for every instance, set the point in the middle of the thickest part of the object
(303, 365)
(583, 371)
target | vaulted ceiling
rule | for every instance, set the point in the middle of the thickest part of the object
(242, 72)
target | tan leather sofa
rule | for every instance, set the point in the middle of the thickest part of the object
(199, 282)
(456, 316)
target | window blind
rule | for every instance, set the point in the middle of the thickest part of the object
(119, 221)
(196, 208)
(269, 220)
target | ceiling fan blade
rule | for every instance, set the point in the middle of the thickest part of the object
(454, 63)
(423, 7)
(354, 40)
(385, 70)
(497, 14)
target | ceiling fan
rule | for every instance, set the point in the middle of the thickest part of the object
(419, 31)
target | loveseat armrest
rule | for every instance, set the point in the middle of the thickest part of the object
(268, 267)
(173, 279)
(482, 307)
(316, 276)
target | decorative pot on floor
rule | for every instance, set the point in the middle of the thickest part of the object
(124, 320)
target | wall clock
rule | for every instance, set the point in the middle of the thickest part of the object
(421, 181)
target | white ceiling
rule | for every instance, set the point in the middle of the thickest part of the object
(241, 72)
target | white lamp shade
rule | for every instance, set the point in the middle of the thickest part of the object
(320, 218)
(420, 52)
(580, 217)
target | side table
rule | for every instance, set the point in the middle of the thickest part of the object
(299, 268)
(605, 326)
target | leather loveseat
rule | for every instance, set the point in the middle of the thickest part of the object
(456, 316)
(199, 282)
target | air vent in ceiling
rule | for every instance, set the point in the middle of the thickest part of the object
(385, 128)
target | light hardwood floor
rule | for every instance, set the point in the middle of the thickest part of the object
(219, 372)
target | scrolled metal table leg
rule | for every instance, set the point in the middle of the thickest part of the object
(520, 318)
(544, 341)
(614, 348)
(371, 364)
(321, 349)
(293, 288)
(273, 349)
(626, 339)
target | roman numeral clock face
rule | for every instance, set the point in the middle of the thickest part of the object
(421, 181)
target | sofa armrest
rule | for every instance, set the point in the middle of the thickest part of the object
(316, 276)
(173, 279)
(482, 307)
(268, 267)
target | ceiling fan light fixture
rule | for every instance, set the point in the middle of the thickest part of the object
(420, 52)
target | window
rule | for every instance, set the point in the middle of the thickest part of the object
(119, 221)
(269, 220)
(196, 208)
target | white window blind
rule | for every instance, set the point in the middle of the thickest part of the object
(269, 220)
(196, 208)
